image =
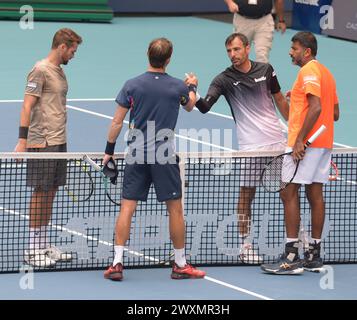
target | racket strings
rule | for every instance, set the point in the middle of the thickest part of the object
(334, 174)
(114, 191)
(272, 175)
(79, 186)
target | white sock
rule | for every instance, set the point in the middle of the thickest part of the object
(119, 250)
(43, 237)
(35, 236)
(315, 240)
(180, 258)
(292, 240)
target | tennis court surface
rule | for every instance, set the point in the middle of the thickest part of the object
(84, 212)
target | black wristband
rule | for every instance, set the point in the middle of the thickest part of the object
(192, 87)
(23, 132)
(203, 105)
(109, 149)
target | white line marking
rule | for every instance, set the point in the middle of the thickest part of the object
(342, 145)
(112, 99)
(346, 181)
(91, 112)
(79, 234)
(101, 99)
(110, 244)
(225, 284)
(177, 135)
(10, 101)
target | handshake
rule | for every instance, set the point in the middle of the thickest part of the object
(192, 82)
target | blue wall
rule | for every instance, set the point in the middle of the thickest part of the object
(172, 6)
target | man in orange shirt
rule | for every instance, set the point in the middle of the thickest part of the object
(313, 103)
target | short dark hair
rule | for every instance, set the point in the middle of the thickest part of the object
(159, 51)
(307, 40)
(66, 36)
(239, 35)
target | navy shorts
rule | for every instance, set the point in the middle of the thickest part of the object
(139, 177)
(47, 174)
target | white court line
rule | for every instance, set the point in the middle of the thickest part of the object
(210, 112)
(10, 101)
(225, 284)
(347, 181)
(104, 99)
(92, 112)
(79, 234)
(106, 243)
(177, 135)
(283, 125)
(182, 137)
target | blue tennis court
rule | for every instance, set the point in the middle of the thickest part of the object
(100, 68)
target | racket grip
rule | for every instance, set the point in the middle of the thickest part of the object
(315, 135)
(91, 163)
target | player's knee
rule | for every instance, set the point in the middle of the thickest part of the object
(286, 196)
(315, 198)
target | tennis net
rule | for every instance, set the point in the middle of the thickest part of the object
(84, 211)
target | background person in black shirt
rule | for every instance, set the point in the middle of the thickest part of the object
(254, 19)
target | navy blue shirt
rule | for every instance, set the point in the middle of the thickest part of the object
(154, 100)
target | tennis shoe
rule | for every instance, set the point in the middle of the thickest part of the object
(38, 258)
(56, 254)
(249, 255)
(288, 263)
(186, 272)
(312, 259)
(114, 273)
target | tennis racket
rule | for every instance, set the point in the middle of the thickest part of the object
(112, 191)
(79, 183)
(334, 174)
(170, 259)
(272, 175)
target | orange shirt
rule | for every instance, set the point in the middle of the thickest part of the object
(313, 78)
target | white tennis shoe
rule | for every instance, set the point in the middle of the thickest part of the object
(38, 258)
(57, 255)
(46, 258)
(249, 255)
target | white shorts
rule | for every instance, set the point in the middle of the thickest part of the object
(314, 167)
(251, 168)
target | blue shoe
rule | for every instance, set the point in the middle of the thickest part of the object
(312, 259)
(288, 263)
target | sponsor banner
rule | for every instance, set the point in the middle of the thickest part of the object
(345, 20)
(308, 14)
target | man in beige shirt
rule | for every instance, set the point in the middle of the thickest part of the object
(254, 19)
(43, 129)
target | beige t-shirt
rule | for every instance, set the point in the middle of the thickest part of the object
(49, 115)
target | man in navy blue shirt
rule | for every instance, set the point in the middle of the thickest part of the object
(153, 99)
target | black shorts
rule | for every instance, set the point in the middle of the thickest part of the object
(47, 174)
(165, 177)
